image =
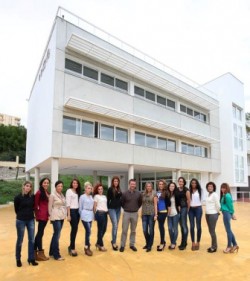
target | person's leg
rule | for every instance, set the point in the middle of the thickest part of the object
(161, 221)
(199, 213)
(74, 227)
(39, 235)
(20, 227)
(125, 225)
(145, 228)
(213, 221)
(57, 226)
(170, 229)
(175, 228)
(227, 223)
(100, 225)
(31, 232)
(133, 225)
(151, 225)
(192, 215)
(87, 227)
(184, 227)
(113, 218)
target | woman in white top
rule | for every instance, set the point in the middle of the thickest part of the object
(212, 213)
(72, 203)
(100, 210)
(195, 212)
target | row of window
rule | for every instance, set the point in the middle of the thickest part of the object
(239, 168)
(189, 111)
(238, 137)
(237, 112)
(196, 150)
(94, 74)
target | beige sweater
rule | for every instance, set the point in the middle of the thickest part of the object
(57, 206)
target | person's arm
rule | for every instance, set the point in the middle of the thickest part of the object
(95, 203)
(217, 202)
(188, 198)
(80, 205)
(16, 204)
(68, 203)
(229, 203)
(155, 207)
(37, 200)
(140, 201)
(50, 205)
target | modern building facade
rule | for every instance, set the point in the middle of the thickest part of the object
(99, 106)
(9, 120)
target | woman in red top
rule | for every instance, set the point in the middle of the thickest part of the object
(42, 216)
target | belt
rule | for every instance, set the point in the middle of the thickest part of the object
(88, 209)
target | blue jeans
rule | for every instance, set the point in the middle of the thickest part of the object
(195, 214)
(87, 225)
(148, 225)
(20, 227)
(161, 220)
(114, 215)
(227, 223)
(54, 244)
(173, 228)
(101, 218)
(183, 225)
(74, 214)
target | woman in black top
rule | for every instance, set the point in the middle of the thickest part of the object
(114, 208)
(24, 208)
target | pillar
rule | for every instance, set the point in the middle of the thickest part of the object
(37, 178)
(54, 172)
(178, 174)
(130, 172)
(210, 176)
(94, 178)
(27, 174)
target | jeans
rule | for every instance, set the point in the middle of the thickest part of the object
(148, 225)
(195, 215)
(114, 215)
(211, 223)
(129, 219)
(161, 220)
(101, 218)
(87, 225)
(173, 228)
(74, 214)
(39, 236)
(20, 227)
(183, 225)
(54, 244)
(227, 223)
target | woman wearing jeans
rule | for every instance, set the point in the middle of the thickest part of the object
(149, 215)
(100, 210)
(195, 212)
(227, 209)
(24, 209)
(114, 208)
(173, 214)
(42, 216)
(86, 204)
(72, 203)
(57, 212)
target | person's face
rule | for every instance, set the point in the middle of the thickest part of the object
(171, 187)
(149, 188)
(210, 188)
(160, 185)
(116, 182)
(132, 185)
(193, 184)
(27, 188)
(88, 189)
(181, 182)
(45, 184)
(59, 187)
(223, 190)
(100, 190)
(75, 184)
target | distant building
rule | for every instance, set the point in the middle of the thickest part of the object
(99, 106)
(9, 120)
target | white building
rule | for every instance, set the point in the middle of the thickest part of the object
(98, 106)
(7, 120)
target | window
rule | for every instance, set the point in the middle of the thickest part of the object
(91, 73)
(150, 96)
(87, 128)
(237, 112)
(162, 143)
(107, 132)
(69, 125)
(139, 138)
(151, 141)
(73, 66)
(194, 150)
(189, 111)
(184, 147)
(107, 79)
(171, 145)
(161, 100)
(121, 135)
(183, 108)
(171, 104)
(121, 84)
(139, 91)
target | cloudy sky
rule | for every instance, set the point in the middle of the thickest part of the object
(201, 39)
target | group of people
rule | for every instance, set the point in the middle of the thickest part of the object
(171, 202)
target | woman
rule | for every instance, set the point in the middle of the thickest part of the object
(227, 209)
(212, 214)
(57, 212)
(183, 195)
(24, 209)
(149, 215)
(162, 207)
(195, 212)
(173, 214)
(42, 216)
(114, 208)
(86, 204)
(72, 203)
(100, 210)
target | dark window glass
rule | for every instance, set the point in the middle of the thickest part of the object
(150, 96)
(183, 108)
(107, 132)
(121, 84)
(161, 100)
(89, 72)
(197, 115)
(184, 147)
(190, 111)
(107, 79)
(162, 143)
(197, 151)
(139, 138)
(139, 91)
(190, 149)
(96, 129)
(121, 135)
(171, 104)
(73, 66)
(203, 117)
(171, 145)
(151, 141)
(87, 128)
(69, 125)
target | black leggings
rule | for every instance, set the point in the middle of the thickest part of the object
(39, 236)
(74, 214)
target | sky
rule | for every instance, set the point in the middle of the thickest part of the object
(201, 39)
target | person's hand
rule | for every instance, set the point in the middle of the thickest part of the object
(234, 217)
(155, 217)
(68, 218)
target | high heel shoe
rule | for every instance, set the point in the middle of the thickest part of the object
(115, 247)
(71, 253)
(100, 248)
(234, 249)
(161, 247)
(18, 263)
(227, 250)
(33, 262)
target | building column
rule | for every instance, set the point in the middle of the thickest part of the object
(178, 146)
(94, 178)
(54, 172)
(27, 175)
(109, 180)
(37, 178)
(130, 172)
(131, 88)
(210, 176)
(132, 135)
(178, 174)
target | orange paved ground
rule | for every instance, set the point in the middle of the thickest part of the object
(172, 266)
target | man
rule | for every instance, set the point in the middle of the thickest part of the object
(131, 202)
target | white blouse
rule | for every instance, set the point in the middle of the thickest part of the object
(212, 204)
(72, 199)
(195, 201)
(101, 201)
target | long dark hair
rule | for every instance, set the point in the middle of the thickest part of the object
(198, 187)
(171, 193)
(117, 189)
(43, 196)
(78, 190)
(226, 186)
